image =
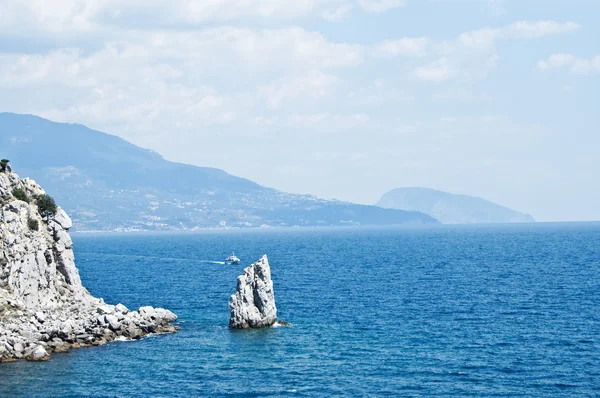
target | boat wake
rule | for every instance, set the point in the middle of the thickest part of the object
(142, 257)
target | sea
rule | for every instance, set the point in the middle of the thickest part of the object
(421, 311)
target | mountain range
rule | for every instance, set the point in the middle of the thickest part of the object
(450, 208)
(108, 184)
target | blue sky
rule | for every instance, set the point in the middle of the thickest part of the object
(344, 99)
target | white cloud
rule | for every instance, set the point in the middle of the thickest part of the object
(142, 109)
(151, 79)
(525, 29)
(481, 39)
(575, 64)
(83, 15)
(485, 39)
(339, 13)
(472, 54)
(329, 122)
(205, 10)
(227, 47)
(198, 11)
(33, 17)
(402, 47)
(557, 61)
(376, 95)
(460, 94)
(292, 47)
(584, 66)
(56, 16)
(312, 86)
(436, 71)
(380, 6)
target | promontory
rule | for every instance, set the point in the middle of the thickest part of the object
(44, 307)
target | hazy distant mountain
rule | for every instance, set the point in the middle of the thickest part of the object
(450, 208)
(106, 183)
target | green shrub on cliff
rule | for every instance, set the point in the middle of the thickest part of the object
(46, 206)
(34, 225)
(4, 164)
(21, 195)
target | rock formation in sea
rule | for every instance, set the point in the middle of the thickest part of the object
(253, 304)
(44, 307)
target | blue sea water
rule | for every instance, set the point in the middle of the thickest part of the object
(421, 311)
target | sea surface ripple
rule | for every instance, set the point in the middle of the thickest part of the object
(493, 311)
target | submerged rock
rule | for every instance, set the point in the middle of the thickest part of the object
(44, 308)
(253, 304)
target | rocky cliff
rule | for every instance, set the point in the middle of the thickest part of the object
(44, 307)
(253, 304)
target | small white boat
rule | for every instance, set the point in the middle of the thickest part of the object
(232, 259)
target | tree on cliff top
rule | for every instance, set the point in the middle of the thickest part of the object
(46, 206)
(4, 165)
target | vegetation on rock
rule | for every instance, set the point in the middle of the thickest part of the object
(21, 195)
(4, 165)
(46, 206)
(33, 224)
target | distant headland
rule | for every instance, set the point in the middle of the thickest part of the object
(451, 208)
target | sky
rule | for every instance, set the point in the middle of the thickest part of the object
(343, 99)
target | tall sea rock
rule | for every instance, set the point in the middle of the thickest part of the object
(44, 307)
(253, 304)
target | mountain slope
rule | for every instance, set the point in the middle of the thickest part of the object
(107, 183)
(450, 208)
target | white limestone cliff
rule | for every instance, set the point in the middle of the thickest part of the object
(253, 304)
(44, 307)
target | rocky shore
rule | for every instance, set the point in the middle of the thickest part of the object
(44, 307)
